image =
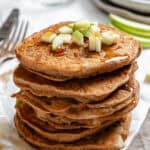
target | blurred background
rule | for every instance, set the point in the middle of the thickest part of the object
(42, 13)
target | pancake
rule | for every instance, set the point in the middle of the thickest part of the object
(61, 122)
(23, 109)
(72, 97)
(85, 113)
(75, 61)
(49, 77)
(111, 138)
(78, 111)
(52, 133)
(65, 123)
(72, 124)
(85, 90)
(63, 104)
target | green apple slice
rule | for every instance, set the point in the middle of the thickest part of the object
(92, 29)
(66, 38)
(144, 41)
(133, 31)
(92, 43)
(95, 28)
(87, 32)
(57, 42)
(65, 29)
(95, 42)
(61, 39)
(71, 25)
(48, 37)
(147, 78)
(98, 44)
(78, 38)
(130, 24)
(81, 25)
(109, 37)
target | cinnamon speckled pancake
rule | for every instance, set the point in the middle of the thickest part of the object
(57, 105)
(72, 97)
(52, 133)
(79, 111)
(76, 61)
(112, 138)
(64, 123)
(85, 90)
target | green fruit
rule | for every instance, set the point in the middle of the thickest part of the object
(92, 43)
(132, 31)
(147, 78)
(78, 38)
(144, 41)
(57, 42)
(65, 29)
(95, 42)
(129, 24)
(71, 25)
(81, 25)
(48, 37)
(109, 37)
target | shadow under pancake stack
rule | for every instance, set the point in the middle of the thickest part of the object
(76, 99)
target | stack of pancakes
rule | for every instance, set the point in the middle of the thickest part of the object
(76, 99)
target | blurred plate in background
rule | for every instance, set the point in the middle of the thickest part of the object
(137, 5)
(108, 7)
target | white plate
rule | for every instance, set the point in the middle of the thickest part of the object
(137, 5)
(104, 5)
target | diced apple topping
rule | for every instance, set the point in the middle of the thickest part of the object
(92, 29)
(78, 38)
(60, 39)
(65, 29)
(81, 25)
(57, 42)
(147, 78)
(76, 32)
(66, 38)
(95, 42)
(109, 37)
(48, 37)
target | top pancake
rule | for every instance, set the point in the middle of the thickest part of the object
(76, 61)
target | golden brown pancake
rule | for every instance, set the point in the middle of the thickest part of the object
(53, 78)
(61, 122)
(79, 111)
(85, 90)
(72, 98)
(65, 123)
(112, 138)
(76, 61)
(52, 133)
(57, 105)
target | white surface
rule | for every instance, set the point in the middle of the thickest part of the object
(40, 17)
